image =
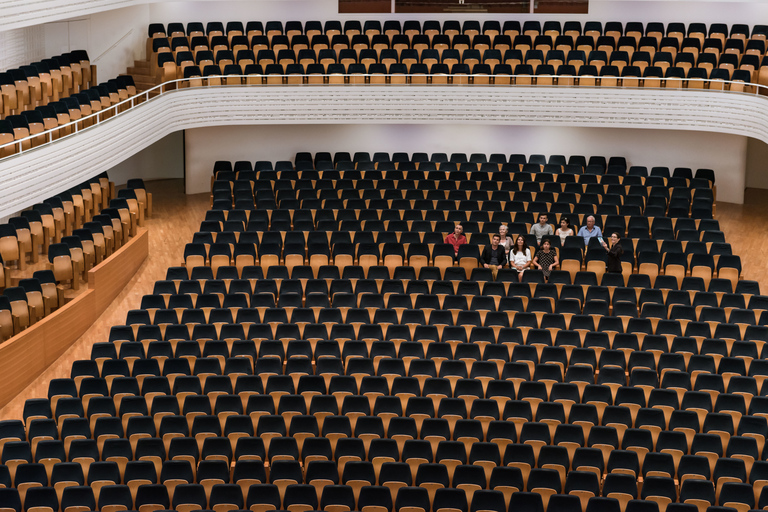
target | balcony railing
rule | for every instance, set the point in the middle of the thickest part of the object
(37, 140)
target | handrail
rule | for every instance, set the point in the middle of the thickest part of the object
(114, 45)
(114, 111)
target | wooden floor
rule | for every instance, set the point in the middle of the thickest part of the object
(177, 216)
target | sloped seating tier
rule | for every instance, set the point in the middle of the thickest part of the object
(35, 118)
(607, 185)
(551, 53)
(370, 213)
(74, 231)
(394, 388)
(49, 80)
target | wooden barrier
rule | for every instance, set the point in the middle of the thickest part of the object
(109, 277)
(24, 357)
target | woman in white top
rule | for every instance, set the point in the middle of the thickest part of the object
(505, 241)
(564, 230)
(520, 257)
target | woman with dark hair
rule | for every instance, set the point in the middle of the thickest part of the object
(520, 257)
(564, 230)
(546, 258)
(615, 252)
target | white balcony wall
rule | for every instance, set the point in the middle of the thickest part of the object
(649, 127)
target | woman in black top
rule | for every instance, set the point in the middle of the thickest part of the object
(615, 252)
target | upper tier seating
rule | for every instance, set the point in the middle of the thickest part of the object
(632, 55)
(49, 80)
(51, 113)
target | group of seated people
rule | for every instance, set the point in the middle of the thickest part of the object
(517, 255)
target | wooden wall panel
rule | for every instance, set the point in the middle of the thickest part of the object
(111, 276)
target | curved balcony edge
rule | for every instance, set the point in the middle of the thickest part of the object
(36, 174)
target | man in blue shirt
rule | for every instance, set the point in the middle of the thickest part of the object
(590, 230)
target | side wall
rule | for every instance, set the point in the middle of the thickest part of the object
(21, 46)
(726, 154)
(705, 11)
(114, 39)
(163, 159)
(757, 164)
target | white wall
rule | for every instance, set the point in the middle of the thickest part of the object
(706, 11)
(726, 154)
(21, 46)
(163, 159)
(757, 164)
(113, 39)
(25, 14)
(687, 11)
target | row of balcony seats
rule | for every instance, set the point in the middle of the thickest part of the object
(512, 35)
(57, 113)
(495, 62)
(462, 74)
(381, 49)
(737, 54)
(49, 80)
(451, 27)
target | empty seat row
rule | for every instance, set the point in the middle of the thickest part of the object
(40, 83)
(530, 27)
(462, 74)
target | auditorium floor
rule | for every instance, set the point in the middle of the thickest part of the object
(177, 216)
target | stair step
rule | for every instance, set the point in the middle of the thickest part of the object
(141, 64)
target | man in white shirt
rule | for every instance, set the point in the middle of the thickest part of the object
(542, 228)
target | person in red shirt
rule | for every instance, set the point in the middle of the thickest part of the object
(456, 238)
